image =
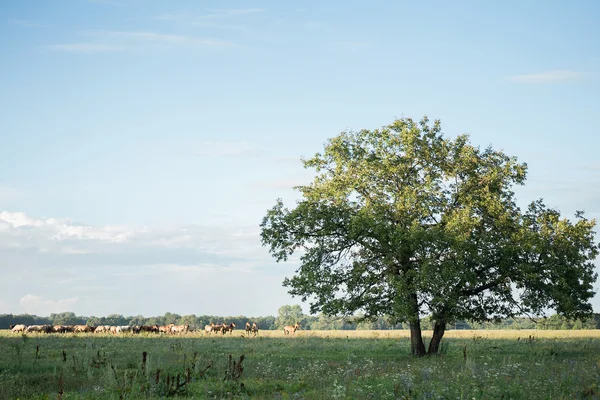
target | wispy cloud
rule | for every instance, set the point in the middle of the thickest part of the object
(48, 238)
(55, 264)
(230, 12)
(108, 2)
(86, 48)
(27, 23)
(115, 41)
(351, 44)
(594, 167)
(556, 76)
(162, 38)
(183, 17)
(33, 304)
(228, 19)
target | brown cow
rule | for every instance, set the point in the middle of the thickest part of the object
(290, 329)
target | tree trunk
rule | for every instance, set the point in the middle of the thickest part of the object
(439, 328)
(417, 347)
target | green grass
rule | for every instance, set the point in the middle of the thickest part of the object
(307, 366)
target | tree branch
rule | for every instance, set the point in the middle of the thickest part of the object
(481, 288)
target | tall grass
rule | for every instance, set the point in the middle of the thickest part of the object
(307, 365)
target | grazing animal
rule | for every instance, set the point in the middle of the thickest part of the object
(180, 328)
(39, 328)
(228, 328)
(102, 329)
(124, 329)
(291, 329)
(18, 328)
(254, 328)
(209, 328)
(165, 328)
(248, 328)
(219, 328)
(59, 329)
(83, 328)
(150, 328)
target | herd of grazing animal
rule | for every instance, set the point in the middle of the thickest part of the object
(170, 329)
(111, 329)
(222, 328)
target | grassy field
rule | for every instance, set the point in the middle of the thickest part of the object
(311, 365)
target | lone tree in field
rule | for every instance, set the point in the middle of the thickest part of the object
(405, 222)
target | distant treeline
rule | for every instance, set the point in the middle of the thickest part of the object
(287, 316)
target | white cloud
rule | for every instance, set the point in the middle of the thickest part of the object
(548, 77)
(18, 219)
(33, 304)
(230, 12)
(27, 23)
(228, 18)
(62, 264)
(125, 245)
(86, 48)
(108, 2)
(591, 167)
(212, 14)
(351, 44)
(61, 229)
(118, 41)
(164, 39)
(188, 270)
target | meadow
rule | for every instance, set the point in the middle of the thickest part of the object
(481, 364)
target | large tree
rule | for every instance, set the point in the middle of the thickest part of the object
(289, 315)
(406, 222)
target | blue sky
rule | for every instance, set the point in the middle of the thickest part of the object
(143, 141)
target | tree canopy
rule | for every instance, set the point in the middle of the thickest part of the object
(406, 222)
(289, 315)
